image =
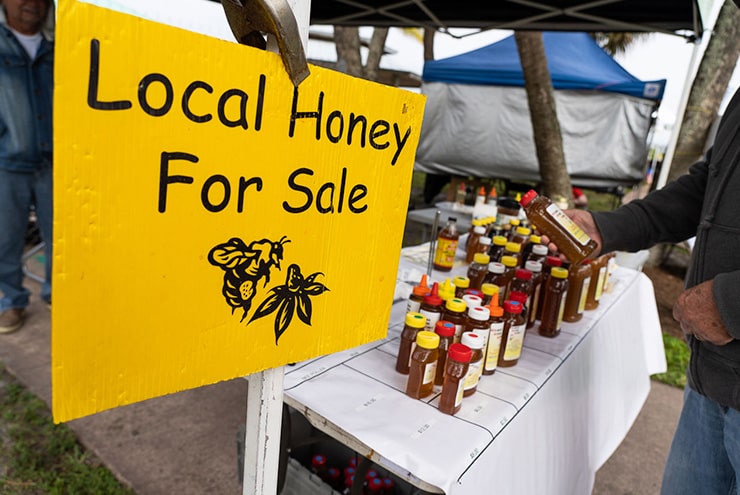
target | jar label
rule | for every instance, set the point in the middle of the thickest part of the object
(535, 302)
(458, 333)
(514, 342)
(474, 372)
(432, 319)
(584, 294)
(600, 283)
(494, 345)
(444, 255)
(460, 392)
(413, 306)
(430, 371)
(411, 352)
(569, 225)
(561, 311)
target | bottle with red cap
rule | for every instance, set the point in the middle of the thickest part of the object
(570, 239)
(446, 332)
(334, 478)
(389, 486)
(521, 298)
(431, 308)
(373, 486)
(458, 361)
(319, 467)
(522, 282)
(475, 370)
(513, 335)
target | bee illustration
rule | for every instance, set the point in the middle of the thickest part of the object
(244, 267)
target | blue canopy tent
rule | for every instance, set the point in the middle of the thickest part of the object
(477, 121)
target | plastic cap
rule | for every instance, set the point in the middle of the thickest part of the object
(553, 261)
(508, 261)
(513, 247)
(540, 249)
(461, 282)
(514, 222)
(481, 258)
(518, 296)
(484, 241)
(559, 272)
(374, 485)
(523, 231)
(415, 320)
(473, 292)
(318, 460)
(456, 305)
(535, 239)
(460, 353)
(528, 197)
(500, 240)
(496, 311)
(444, 328)
(533, 266)
(479, 313)
(433, 298)
(471, 300)
(523, 274)
(480, 229)
(472, 340)
(427, 340)
(512, 307)
(496, 267)
(489, 289)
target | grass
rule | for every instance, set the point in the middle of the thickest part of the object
(677, 356)
(39, 457)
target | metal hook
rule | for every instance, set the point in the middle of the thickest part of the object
(248, 19)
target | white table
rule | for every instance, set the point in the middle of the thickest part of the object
(544, 426)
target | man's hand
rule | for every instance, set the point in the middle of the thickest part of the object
(585, 221)
(697, 313)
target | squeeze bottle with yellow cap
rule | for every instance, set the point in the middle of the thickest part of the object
(423, 368)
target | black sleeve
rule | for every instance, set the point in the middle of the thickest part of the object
(670, 214)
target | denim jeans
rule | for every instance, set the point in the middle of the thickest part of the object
(18, 192)
(705, 454)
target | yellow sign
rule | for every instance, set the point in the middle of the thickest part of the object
(211, 220)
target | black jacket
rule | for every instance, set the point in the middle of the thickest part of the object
(705, 203)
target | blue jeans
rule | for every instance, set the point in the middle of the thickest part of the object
(18, 192)
(705, 454)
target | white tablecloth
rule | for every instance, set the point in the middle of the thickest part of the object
(543, 426)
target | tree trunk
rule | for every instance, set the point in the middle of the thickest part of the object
(541, 98)
(375, 52)
(429, 43)
(347, 43)
(707, 90)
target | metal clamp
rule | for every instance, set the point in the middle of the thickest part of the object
(249, 19)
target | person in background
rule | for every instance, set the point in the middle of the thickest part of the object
(580, 200)
(705, 452)
(26, 86)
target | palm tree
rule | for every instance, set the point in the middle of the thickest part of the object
(707, 90)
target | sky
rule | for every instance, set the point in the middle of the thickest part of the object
(657, 56)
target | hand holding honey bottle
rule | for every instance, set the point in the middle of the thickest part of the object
(573, 233)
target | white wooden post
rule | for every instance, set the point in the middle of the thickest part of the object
(265, 391)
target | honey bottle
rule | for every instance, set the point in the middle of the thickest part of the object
(471, 247)
(475, 370)
(513, 249)
(417, 295)
(454, 313)
(413, 324)
(498, 245)
(423, 368)
(456, 369)
(447, 240)
(495, 332)
(446, 332)
(538, 253)
(522, 282)
(598, 277)
(478, 269)
(431, 308)
(461, 283)
(512, 338)
(510, 266)
(446, 290)
(550, 262)
(535, 267)
(553, 302)
(579, 280)
(570, 239)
